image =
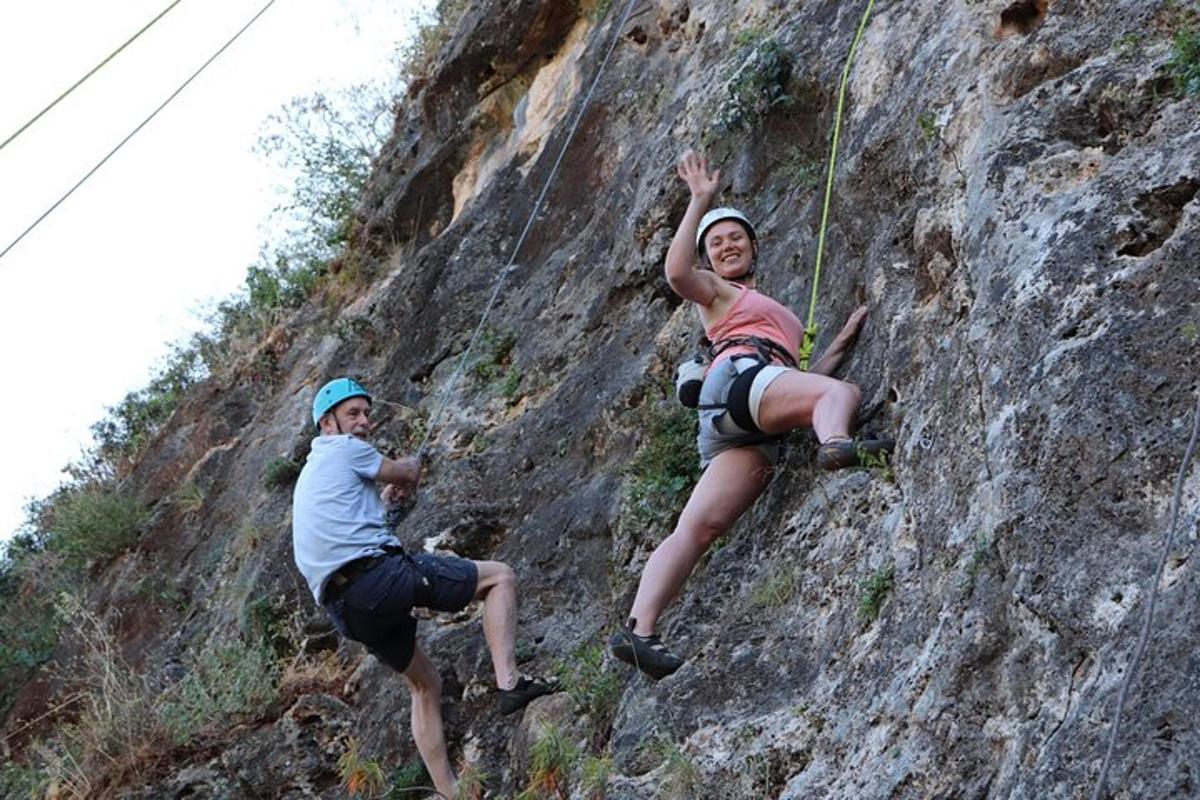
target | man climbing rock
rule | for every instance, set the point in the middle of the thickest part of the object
(359, 573)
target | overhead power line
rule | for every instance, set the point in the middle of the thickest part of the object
(92, 72)
(143, 124)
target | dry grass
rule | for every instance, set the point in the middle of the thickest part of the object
(118, 735)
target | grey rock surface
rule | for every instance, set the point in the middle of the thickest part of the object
(1015, 200)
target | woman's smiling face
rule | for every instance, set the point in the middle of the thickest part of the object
(729, 248)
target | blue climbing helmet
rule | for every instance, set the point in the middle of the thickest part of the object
(334, 392)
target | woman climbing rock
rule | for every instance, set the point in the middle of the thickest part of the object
(753, 395)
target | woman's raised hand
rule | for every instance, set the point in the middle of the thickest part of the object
(694, 171)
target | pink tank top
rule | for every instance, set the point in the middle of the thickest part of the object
(755, 314)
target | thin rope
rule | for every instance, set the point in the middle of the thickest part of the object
(509, 267)
(810, 328)
(133, 133)
(1148, 619)
(90, 73)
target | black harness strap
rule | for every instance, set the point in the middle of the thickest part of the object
(767, 349)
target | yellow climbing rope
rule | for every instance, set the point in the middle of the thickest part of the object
(810, 326)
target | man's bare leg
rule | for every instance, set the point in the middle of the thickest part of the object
(498, 590)
(427, 728)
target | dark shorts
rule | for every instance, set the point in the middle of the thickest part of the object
(375, 608)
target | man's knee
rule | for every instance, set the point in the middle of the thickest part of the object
(424, 680)
(494, 574)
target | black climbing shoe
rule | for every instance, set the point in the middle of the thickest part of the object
(841, 453)
(527, 689)
(646, 653)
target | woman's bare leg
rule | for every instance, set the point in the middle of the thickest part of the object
(800, 399)
(730, 484)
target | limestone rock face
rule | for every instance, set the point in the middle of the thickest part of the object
(1015, 200)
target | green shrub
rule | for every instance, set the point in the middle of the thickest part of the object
(596, 9)
(280, 472)
(664, 467)
(405, 778)
(875, 593)
(756, 85)
(93, 525)
(510, 387)
(493, 356)
(1184, 64)
(432, 32)
(23, 782)
(800, 169)
(236, 679)
(126, 428)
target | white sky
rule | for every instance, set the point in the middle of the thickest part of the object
(91, 297)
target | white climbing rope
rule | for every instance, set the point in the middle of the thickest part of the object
(510, 266)
(1148, 620)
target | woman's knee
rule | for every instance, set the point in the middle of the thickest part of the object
(703, 530)
(849, 393)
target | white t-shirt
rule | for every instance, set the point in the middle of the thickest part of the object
(337, 515)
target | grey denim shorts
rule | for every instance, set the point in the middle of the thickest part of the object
(718, 432)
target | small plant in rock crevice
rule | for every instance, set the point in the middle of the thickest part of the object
(552, 760)
(280, 472)
(361, 776)
(757, 84)
(472, 781)
(492, 362)
(680, 776)
(406, 779)
(594, 690)
(876, 590)
(189, 498)
(981, 555)
(877, 462)
(778, 588)
(800, 169)
(594, 775)
(931, 131)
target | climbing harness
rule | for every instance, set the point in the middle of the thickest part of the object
(1148, 620)
(810, 327)
(509, 268)
(767, 349)
(689, 375)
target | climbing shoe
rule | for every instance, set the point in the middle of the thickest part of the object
(841, 453)
(646, 653)
(527, 689)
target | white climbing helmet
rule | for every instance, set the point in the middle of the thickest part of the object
(720, 215)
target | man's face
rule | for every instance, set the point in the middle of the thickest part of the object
(351, 416)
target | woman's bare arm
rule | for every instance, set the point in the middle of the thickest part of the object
(833, 355)
(699, 286)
